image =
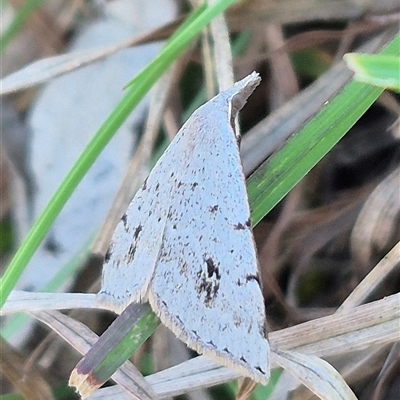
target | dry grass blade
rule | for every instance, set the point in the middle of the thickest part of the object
(316, 374)
(222, 56)
(111, 393)
(245, 390)
(222, 52)
(374, 323)
(364, 326)
(82, 339)
(352, 330)
(20, 301)
(332, 335)
(295, 11)
(383, 269)
(28, 381)
(376, 222)
(48, 68)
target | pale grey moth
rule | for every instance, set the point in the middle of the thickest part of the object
(185, 243)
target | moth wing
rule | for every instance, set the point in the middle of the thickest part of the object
(137, 240)
(205, 285)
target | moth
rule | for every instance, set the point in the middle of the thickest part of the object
(185, 243)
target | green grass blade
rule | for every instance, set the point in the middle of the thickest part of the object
(278, 175)
(21, 16)
(183, 36)
(115, 346)
(377, 70)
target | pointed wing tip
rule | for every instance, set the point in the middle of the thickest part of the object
(242, 90)
(249, 82)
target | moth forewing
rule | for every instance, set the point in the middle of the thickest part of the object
(186, 245)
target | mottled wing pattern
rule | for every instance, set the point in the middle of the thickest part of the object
(186, 244)
(206, 286)
(137, 241)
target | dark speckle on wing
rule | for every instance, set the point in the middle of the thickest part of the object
(194, 184)
(212, 269)
(253, 278)
(137, 231)
(108, 254)
(124, 220)
(209, 280)
(214, 208)
(131, 253)
(239, 226)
